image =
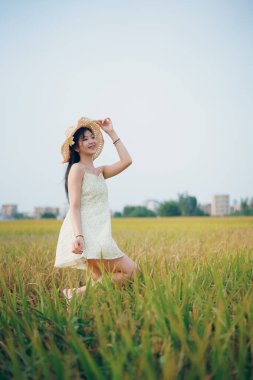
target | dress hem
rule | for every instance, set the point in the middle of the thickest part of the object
(81, 262)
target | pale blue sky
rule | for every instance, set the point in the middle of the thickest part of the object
(175, 77)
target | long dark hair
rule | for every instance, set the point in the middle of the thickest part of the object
(74, 156)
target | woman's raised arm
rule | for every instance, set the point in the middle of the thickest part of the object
(125, 158)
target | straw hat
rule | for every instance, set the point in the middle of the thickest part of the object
(70, 131)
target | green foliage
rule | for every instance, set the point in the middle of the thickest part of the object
(169, 208)
(246, 208)
(138, 211)
(48, 215)
(199, 212)
(117, 214)
(187, 204)
(20, 215)
(142, 211)
(128, 210)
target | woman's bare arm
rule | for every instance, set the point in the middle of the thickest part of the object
(124, 157)
(121, 149)
(122, 164)
(74, 187)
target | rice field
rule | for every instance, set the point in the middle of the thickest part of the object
(188, 315)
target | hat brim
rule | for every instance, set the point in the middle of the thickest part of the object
(83, 122)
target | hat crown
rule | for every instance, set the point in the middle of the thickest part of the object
(84, 121)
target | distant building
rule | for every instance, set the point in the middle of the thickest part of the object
(9, 210)
(207, 208)
(220, 205)
(39, 211)
(151, 204)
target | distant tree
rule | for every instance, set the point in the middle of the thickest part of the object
(117, 214)
(199, 212)
(20, 215)
(187, 204)
(138, 211)
(246, 207)
(141, 211)
(48, 215)
(169, 208)
(127, 211)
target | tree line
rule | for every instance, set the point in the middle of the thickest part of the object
(246, 208)
(186, 205)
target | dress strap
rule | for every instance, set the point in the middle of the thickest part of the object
(100, 170)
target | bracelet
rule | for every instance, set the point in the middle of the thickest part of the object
(80, 235)
(116, 140)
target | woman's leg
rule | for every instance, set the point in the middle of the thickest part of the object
(93, 272)
(120, 269)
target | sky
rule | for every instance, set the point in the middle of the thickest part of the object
(175, 77)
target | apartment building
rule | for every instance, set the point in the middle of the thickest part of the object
(9, 210)
(38, 211)
(220, 205)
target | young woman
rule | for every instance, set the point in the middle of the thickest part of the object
(85, 240)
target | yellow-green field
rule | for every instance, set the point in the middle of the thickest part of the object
(188, 315)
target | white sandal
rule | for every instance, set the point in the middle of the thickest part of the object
(68, 293)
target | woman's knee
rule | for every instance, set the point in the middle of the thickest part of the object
(124, 264)
(129, 267)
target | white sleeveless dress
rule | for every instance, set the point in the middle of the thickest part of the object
(96, 227)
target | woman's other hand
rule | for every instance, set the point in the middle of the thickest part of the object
(78, 245)
(105, 124)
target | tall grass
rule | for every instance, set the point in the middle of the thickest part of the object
(188, 315)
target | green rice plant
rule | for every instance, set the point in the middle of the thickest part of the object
(187, 315)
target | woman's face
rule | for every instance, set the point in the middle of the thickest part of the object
(87, 143)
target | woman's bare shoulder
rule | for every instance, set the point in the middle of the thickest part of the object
(76, 170)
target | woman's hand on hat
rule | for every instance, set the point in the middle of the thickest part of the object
(105, 124)
(78, 245)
